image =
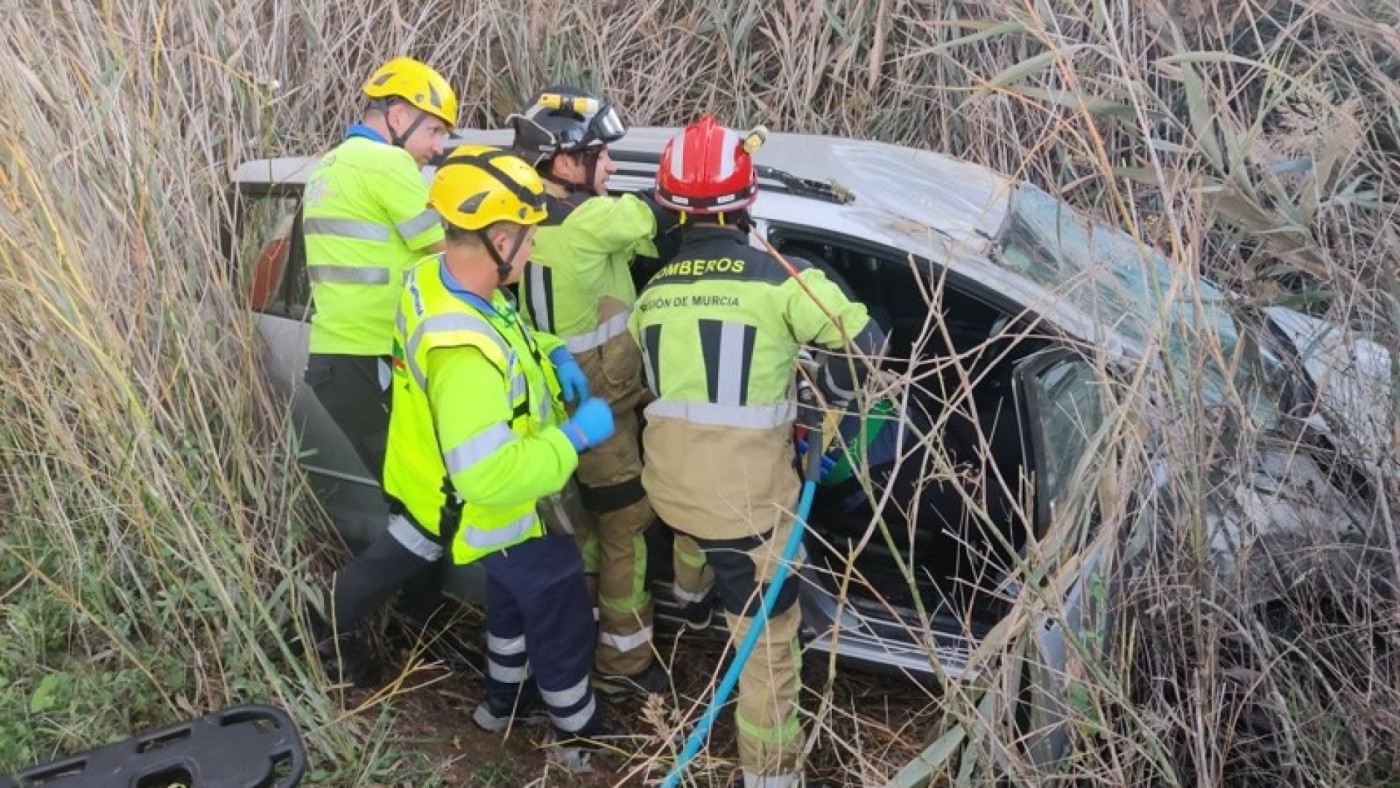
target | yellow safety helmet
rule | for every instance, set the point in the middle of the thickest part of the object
(418, 84)
(478, 185)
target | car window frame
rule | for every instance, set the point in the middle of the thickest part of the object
(294, 269)
(1030, 405)
(779, 232)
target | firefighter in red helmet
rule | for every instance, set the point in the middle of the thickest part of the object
(720, 328)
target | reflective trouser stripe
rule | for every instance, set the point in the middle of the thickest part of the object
(564, 708)
(565, 698)
(626, 642)
(633, 602)
(614, 326)
(689, 597)
(693, 577)
(692, 558)
(507, 675)
(616, 550)
(348, 274)
(505, 646)
(573, 722)
(787, 732)
(413, 540)
(506, 661)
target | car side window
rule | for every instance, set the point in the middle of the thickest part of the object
(1065, 403)
(272, 256)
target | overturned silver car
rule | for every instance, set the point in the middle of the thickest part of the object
(1032, 339)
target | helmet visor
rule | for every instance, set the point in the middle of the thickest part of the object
(607, 126)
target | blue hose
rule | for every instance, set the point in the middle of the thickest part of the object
(741, 657)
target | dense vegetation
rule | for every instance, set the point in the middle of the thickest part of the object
(156, 528)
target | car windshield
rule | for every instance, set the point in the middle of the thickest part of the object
(1133, 291)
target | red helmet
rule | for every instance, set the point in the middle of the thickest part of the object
(707, 168)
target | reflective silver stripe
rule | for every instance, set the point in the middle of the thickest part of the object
(519, 387)
(345, 228)
(728, 154)
(411, 227)
(348, 274)
(564, 698)
(830, 385)
(753, 417)
(730, 389)
(442, 324)
(477, 448)
(511, 532)
(752, 780)
(648, 371)
(539, 298)
(578, 719)
(678, 156)
(507, 675)
(413, 540)
(626, 642)
(687, 597)
(614, 326)
(505, 646)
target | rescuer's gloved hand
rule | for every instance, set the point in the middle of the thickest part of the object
(828, 462)
(591, 424)
(573, 383)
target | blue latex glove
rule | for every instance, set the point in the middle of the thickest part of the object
(828, 462)
(591, 425)
(572, 381)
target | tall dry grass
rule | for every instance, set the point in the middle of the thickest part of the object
(156, 528)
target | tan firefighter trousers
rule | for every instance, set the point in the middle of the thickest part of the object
(769, 730)
(613, 545)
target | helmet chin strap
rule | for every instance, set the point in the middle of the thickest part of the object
(590, 173)
(567, 185)
(502, 263)
(590, 168)
(395, 138)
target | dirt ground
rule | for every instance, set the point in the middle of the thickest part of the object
(872, 720)
(435, 720)
(438, 722)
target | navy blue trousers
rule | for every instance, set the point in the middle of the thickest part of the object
(540, 633)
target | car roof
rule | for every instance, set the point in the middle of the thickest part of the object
(891, 187)
(927, 204)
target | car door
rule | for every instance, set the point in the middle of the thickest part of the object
(1062, 398)
(267, 245)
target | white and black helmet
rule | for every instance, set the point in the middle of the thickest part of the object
(564, 119)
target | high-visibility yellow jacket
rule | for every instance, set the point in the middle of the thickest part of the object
(720, 328)
(578, 283)
(366, 221)
(475, 418)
